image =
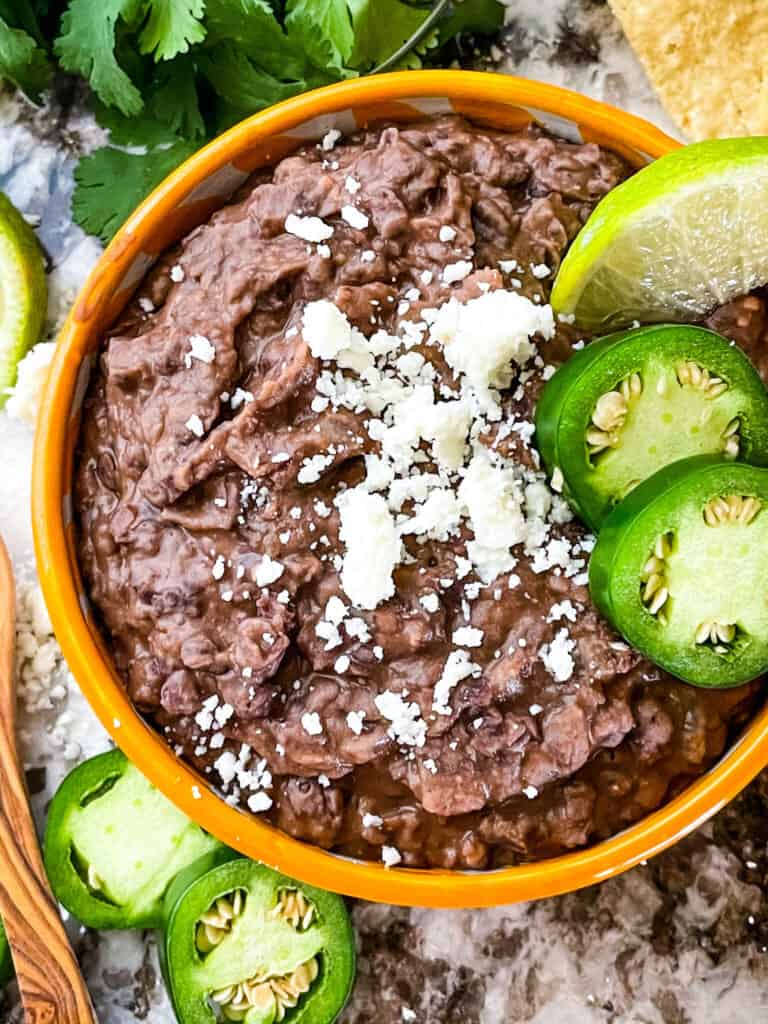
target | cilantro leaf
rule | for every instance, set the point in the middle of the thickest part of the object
(20, 14)
(381, 29)
(324, 29)
(240, 83)
(483, 16)
(174, 99)
(98, 206)
(22, 61)
(252, 26)
(86, 46)
(172, 27)
(171, 109)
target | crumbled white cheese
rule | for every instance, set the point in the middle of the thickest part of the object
(391, 856)
(195, 425)
(494, 501)
(200, 348)
(311, 724)
(313, 467)
(557, 656)
(226, 766)
(354, 217)
(335, 610)
(330, 139)
(531, 792)
(326, 330)
(357, 628)
(352, 185)
(372, 547)
(177, 273)
(218, 568)
(372, 821)
(330, 633)
(457, 667)
(267, 571)
(447, 233)
(341, 665)
(204, 717)
(311, 229)
(355, 721)
(540, 270)
(454, 272)
(446, 425)
(259, 802)
(407, 725)
(468, 636)
(437, 517)
(430, 602)
(240, 397)
(483, 337)
(562, 610)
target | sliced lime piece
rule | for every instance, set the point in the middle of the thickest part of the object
(683, 235)
(23, 292)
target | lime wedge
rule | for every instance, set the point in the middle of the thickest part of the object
(683, 235)
(23, 293)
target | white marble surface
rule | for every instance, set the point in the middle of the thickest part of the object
(681, 941)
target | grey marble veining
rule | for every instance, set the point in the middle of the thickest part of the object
(681, 940)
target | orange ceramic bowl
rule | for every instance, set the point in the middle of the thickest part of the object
(183, 201)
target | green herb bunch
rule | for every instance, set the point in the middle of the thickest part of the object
(168, 75)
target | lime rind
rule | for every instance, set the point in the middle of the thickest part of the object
(23, 292)
(683, 235)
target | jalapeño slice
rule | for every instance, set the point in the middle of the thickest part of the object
(113, 843)
(629, 403)
(680, 569)
(245, 943)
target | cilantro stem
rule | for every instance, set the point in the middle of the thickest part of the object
(421, 33)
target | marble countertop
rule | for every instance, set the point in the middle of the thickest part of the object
(681, 940)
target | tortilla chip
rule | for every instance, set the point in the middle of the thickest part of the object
(707, 59)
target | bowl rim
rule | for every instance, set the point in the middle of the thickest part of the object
(51, 516)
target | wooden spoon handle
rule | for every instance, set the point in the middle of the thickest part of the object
(51, 985)
(52, 988)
